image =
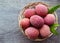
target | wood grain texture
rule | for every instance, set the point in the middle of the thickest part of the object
(9, 29)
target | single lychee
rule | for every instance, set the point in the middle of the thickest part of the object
(41, 10)
(25, 23)
(29, 12)
(49, 19)
(32, 33)
(36, 21)
(45, 31)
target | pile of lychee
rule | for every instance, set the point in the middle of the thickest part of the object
(36, 22)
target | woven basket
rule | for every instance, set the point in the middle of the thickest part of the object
(32, 5)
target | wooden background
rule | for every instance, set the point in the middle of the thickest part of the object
(9, 29)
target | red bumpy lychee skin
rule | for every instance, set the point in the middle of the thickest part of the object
(49, 19)
(29, 12)
(31, 33)
(36, 21)
(41, 10)
(45, 31)
(25, 23)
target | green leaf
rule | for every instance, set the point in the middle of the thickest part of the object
(54, 8)
(55, 25)
(52, 29)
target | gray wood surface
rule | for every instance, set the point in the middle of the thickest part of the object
(9, 30)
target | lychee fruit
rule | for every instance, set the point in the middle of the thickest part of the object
(36, 21)
(32, 33)
(45, 31)
(49, 19)
(29, 12)
(25, 23)
(41, 10)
